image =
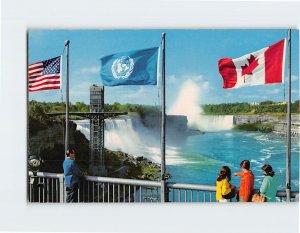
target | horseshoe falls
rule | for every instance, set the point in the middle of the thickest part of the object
(209, 123)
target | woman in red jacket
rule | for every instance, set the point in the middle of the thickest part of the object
(247, 182)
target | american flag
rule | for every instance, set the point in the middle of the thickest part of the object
(44, 75)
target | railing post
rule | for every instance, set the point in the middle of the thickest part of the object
(61, 189)
(297, 198)
(166, 192)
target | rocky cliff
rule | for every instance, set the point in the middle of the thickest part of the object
(245, 119)
(48, 143)
(176, 124)
(277, 124)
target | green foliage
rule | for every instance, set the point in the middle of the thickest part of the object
(135, 170)
(268, 102)
(53, 157)
(38, 118)
(59, 107)
(226, 109)
(264, 128)
(295, 108)
(79, 107)
(39, 109)
(113, 160)
(265, 107)
(151, 173)
(141, 110)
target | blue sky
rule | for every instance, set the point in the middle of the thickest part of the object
(191, 55)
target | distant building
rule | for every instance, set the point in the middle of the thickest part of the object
(96, 163)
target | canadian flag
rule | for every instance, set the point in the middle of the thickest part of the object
(265, 66)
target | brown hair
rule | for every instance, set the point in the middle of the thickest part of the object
(245, 164)
(225, 172)
(268, 170)
(69, 152)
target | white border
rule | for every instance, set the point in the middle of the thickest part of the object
(18, 16)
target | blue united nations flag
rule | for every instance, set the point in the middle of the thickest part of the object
(138, 67)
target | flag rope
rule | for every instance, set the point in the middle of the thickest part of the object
(284, 99)
(61, 92)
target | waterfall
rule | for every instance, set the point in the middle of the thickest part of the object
(84, 127)
(124, 134)
(121, 136)
(215, 122)
(187, 104)
(129, 135)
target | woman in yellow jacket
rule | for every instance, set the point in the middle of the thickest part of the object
(225, 191)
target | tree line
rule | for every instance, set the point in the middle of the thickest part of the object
(39, 109)
(266, 107)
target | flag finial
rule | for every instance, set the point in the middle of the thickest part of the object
(67, 42)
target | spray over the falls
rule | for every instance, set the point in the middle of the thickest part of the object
(129, 135)
(187, 104)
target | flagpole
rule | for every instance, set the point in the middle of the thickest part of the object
(288, 135)
(163, 126)
(67, 43)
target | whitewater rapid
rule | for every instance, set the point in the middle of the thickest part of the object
(130, 136)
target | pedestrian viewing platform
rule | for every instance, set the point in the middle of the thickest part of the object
(49, 188)
(89, 115)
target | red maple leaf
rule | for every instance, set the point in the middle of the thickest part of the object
(253, 63)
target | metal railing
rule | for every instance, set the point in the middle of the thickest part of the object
(191, 193)
(115, 190)
(206, 193)
(45, 187)
(49, 187)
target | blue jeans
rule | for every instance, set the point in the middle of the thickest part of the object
(72, 193)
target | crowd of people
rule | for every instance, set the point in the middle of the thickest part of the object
(225, 191)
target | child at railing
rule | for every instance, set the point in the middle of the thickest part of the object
(225, 191)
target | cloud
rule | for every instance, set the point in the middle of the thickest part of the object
(176, 82)
(135, 94)
(193, 77)
(293, 78)
(90, 70)
(274, 91)
(172, 79)
(205, 85)
(229, 95)
(198, 78)
(249, 97)
(80, 90)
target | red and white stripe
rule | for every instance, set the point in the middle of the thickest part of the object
(266, 67)
(39, 82)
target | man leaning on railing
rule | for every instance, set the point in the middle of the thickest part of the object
(72, 174)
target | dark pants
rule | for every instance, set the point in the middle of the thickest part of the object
(72, 193)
